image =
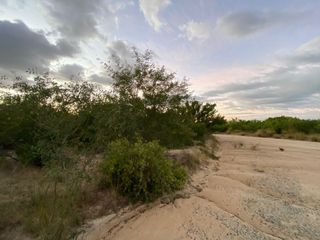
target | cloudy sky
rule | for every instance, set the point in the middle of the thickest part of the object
(255, 58)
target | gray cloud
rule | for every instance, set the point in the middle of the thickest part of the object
(119, 47)
(235, 87)
(22, 48)
(296, 82)
(308, 53)
(71, 70)
(78, 72)
(101, 79)
(244, 23)
(289, 89)
(3, 2)
(122, 50)
(78, 20)
(67, 48)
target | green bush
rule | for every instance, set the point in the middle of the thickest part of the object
(140, 170)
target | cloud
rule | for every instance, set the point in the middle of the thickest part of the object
(121, 50)
(78, 72)
(151, 10)
(286, 88)
(23, 48)
(243, 23)
(67, 48)
(196, 30)
(3, 2)
(291, 84)
(120, 5)
(308, 53)
(101, 79)
(71, 70)
(78, 20)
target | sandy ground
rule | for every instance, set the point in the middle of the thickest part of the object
(264, 189)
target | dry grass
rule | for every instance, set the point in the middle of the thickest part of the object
(15, 185)
(194, 157)
(190, 158)
(51, 203)
(315, 138)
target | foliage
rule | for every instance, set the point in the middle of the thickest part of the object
(140, 170)
(203, 116)
(151, 97)
(284, 126)
(236, 125)
(40, 118)
(152, 86)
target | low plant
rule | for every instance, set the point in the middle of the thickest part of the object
(141, 171)
(52, 214)
(54, 209)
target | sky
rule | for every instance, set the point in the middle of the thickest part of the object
(255, 59)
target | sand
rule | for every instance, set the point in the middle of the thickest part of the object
(263, 189)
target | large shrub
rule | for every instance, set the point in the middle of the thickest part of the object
(141, 171)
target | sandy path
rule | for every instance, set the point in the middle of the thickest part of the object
(259, 192)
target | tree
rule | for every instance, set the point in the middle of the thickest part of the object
(152, 97)
(156, 88)
(204, 117)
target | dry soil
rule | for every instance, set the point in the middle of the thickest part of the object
(263, 189)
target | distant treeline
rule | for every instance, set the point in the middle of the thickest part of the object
(286, 127)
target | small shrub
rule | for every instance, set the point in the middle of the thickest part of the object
(140, 170)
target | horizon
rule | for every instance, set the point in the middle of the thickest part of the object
(254, 59)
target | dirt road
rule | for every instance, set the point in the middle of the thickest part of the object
(264, 189)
